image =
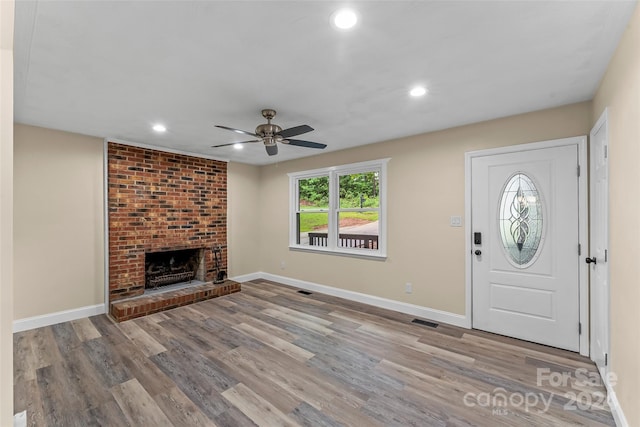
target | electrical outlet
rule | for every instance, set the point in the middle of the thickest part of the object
(408, 288)
(455, 221)
(283, 265)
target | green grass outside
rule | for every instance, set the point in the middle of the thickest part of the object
(313, 221)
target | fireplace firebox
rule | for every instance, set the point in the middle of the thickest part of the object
(171, 267)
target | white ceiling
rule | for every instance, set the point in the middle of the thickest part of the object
(113, 68)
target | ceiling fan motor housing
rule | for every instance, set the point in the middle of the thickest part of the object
(268, 132)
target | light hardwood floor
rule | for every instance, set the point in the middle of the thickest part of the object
(271, 356)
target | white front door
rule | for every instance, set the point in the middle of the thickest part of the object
(525, 236)
(598, 256)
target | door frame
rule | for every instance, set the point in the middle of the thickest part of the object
(604, 120)
(580, 142)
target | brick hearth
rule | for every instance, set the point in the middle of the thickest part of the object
(161, 201)
(147, 304)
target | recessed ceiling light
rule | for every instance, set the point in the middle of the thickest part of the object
(159, 128)
(418, 91)
(344, 19)
(238, 146)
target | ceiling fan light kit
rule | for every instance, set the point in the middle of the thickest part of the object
(271, 134)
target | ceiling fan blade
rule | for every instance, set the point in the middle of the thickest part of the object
(234, 143)
(307, 144)
(295, 131)
(238, 131)
(272, 150)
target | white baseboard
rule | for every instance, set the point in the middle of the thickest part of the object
(20, 419)
(616, 410)
(247, 277)
(402, 307)
(59, 317)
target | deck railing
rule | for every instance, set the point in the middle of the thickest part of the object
(366, 241)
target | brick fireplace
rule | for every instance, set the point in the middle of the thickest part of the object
(161, 202)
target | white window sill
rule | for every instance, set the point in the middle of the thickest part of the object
(364, 254)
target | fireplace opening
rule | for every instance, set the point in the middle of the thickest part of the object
(171, 267)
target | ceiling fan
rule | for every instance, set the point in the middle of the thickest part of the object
(270, 134)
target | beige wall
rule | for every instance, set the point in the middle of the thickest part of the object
(6, 212)
(620, 92)
(425, 187)
(58, 221)
(243, 222)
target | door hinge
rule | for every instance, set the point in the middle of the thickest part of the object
(579, 328)
(579, 249)
(606, 359)
(606, 151)
(578, 170)
(606, 255)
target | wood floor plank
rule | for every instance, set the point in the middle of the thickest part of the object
(45, 347)
(264, 326)
(137, 406)
(271, 356)
(155, 330)
(26, 395)
(181, 410)
(141, 338)
(147, 373)
(346, 414)
(85, 330)
(308, 416)
(59, 406)
(83, 379)
(279, 344)
(25, 362)
(437, 351)
(261, 384)
(106, 361)
(107, 414)
(259, 410)
(202, 387)
(66, 338)
(299, 321)
(292, 377)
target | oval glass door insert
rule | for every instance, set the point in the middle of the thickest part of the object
(520, 220)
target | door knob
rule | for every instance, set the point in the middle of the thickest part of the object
(590, 260)
(478, 252)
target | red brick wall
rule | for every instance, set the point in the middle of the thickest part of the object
(161, 201)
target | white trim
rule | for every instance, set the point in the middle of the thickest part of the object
(583, 232)
(247, 277)
(357, 167)
(468, 264)
(333, 173)
(583, 236)
(604, 370)
(20, 419)
(165, 149)
(59, 317)
(552, 143)
(614, 405)
(105, 195)
(402, 307)
(353, 253)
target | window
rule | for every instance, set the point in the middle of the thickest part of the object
(340, 209)
(521, 220)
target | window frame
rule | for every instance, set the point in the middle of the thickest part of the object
(334, 173)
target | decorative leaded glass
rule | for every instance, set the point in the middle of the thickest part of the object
(520, 220)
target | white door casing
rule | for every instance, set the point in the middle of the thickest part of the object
(531, 295)
(599, 271)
